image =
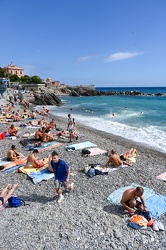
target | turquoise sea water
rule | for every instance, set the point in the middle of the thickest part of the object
(139, 118)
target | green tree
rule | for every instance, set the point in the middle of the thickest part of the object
(25, 79)
(36, 79)
(14, 78)
(2, 72)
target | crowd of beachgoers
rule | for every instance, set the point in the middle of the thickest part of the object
(84, 219)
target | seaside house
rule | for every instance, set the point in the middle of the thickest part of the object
(14, 70)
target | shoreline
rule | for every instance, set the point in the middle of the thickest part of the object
(119, 138)
(85, 219)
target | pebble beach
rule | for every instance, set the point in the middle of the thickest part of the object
(85, 219)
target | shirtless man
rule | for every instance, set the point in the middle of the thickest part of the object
(6, 193)
(42, 122)
(129, 199)
(12, 154)
(12, 130)
(47, 137)
(115, 159)
(33, 115)
(34, 161)
(39, 134)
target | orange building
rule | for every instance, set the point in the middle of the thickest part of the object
(14, 70)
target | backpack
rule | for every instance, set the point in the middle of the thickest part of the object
(16, 201)
(24, 142)
(85, 152)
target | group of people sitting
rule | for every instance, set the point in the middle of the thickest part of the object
(7, 115)
(121, 160)
(129, 198)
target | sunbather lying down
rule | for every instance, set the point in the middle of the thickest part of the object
(131, 153)
(13, 164)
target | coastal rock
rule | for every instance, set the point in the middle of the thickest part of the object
(47, 99)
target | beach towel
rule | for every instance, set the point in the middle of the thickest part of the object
(156, 203)
(30, 169)
(132, 159)
(96, 151)
(12, 168)
(48, 145)
(81, 145)
(2, 135)
(27, 135)
(33, 126)
(41, 175)
(3, 161)
(116, 196)
(162, 176)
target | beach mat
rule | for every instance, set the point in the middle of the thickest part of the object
(3, 161)
(156, 205)
(33, 126)
(96, 151)
(41, 175)
(162, 176)
(131, 160)
(116, 196)
(48, 145)
(28, 170)
(28, 135)
(12, 168)
(81, 145)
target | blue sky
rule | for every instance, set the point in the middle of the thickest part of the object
(100, 42)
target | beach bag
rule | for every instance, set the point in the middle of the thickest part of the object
(91, 172)
(85, 151)
(86, 169)
(24, 142)
(14, 201)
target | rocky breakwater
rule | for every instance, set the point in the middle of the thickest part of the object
(47, 99)
(91, 91)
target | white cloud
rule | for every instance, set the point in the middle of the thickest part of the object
(122, 56)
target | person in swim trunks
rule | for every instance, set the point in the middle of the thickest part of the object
(12, 154)
(6, 193)
(130, 202)
(34, 161)
(115, 160)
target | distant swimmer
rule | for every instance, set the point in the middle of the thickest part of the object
(141, 113)
(114, 114)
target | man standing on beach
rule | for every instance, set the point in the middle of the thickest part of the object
(129, 199)
(71, 127)
(62, 174)
(116, 161)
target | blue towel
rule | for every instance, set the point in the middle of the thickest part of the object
(41, 175)
(156, 204)
(12, 168)
(116, 196)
